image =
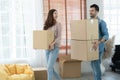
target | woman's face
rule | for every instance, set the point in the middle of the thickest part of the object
(55, 15)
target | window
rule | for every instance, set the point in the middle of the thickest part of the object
(4, 28)
(16, 20)
(112, 17)
(67, 10)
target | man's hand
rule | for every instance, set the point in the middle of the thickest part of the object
(96, 44)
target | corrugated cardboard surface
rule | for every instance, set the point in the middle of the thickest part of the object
(42, 39)
(64, 57)
(92, 29)
(40, 73)
(69, 68)
(84, 29)
(82, 50)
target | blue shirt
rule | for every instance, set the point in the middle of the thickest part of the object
(103, 33)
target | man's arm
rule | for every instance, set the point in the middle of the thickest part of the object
(104, 31)
(105, 37)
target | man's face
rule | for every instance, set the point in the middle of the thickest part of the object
(93, 12)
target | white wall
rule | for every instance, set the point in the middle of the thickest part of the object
(99, 3)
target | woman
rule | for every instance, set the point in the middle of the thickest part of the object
(52, 54)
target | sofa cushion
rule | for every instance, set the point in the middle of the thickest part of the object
(5, 69)
(20, 68)
(11, 68)
(19, 77)
(3, 73)
(16, 72)
(28, 71)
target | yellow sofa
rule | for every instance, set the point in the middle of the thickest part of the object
(16, 72)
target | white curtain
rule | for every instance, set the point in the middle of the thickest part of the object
(112, 17)
(18, 19)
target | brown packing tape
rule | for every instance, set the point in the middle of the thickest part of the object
(69, 61)
(66, 58)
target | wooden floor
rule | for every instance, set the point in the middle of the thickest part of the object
(86, 73)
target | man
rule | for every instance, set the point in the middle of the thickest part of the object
(103, 36)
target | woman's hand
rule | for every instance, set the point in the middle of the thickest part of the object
(51, 46)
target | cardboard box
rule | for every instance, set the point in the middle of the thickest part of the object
(40, 73)
(64, 57)
(42, 39)
(69, 68)
(84, 29)
(82, 50)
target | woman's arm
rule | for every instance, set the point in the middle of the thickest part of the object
(59, 31)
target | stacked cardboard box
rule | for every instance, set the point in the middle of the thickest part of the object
(40, 73)
(42, 39)
(83, 35)
(69, 68)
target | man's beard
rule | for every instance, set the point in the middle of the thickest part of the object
(92, 16)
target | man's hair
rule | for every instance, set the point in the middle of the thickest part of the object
(95, 6)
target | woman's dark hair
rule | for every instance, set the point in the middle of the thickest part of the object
(50, 19)
(95, 6)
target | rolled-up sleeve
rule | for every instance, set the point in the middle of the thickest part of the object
(104, 30)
